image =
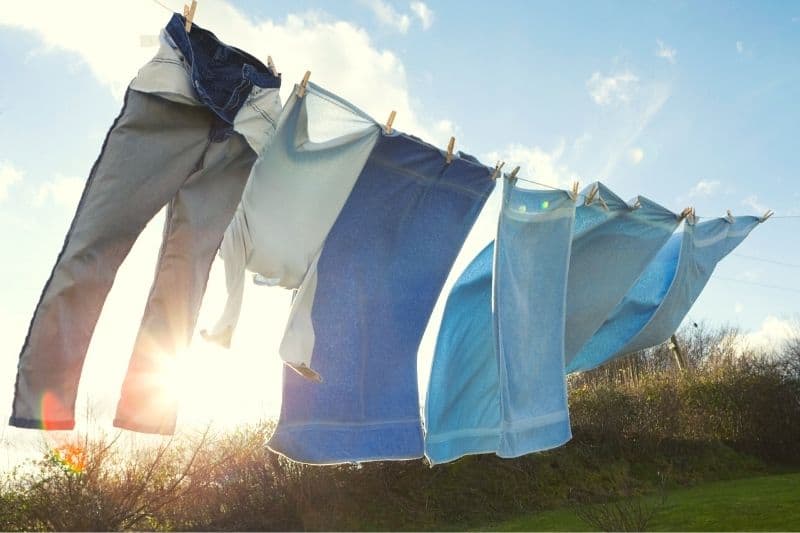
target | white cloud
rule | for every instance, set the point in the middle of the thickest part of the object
(738, 307)
(63, 191)
(634, 119)
(339, 54)
(666, 52)
(704, 188)
(536, 163)
(772, 333)
(388, 15)
(753, 203)
(423, 13)
(614, 89)
(740, 47)
(9, 175)
(635, 155)
(443, 130)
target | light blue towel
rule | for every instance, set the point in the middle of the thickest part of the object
(497, 382)
(654, 308)
(359, 317)
(613, 243)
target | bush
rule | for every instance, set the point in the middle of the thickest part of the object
(635, 422)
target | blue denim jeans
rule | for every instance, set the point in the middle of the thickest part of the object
(188, 149)
(222, 75)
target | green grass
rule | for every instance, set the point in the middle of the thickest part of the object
(770, 503)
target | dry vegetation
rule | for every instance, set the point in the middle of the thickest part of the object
(638, 423)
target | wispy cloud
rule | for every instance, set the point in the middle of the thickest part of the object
(753, 203)
(666, 52)
(536, 163)
(704, 188)
(339, 53)
(423, 13)
(612, 89)
(388, 15)
(634, 119)
(63, 191)
(635, 155)
(9, 175)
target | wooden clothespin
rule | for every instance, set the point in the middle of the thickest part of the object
(449, 157)
(729, 216)
(188, 13)
(513, 176)
(592, 193)
(766, 215)
(389, 122)
(574, 191)
(685, 213)
(301, 90)
(497, 169)
(271, 66)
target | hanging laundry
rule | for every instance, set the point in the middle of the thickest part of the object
(497, 382)
(613, 243)
(359, 316)
(656, 305)
(187, 136)
(295, 191)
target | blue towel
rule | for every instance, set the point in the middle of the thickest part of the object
(497, 382)
(368, 301)
(654, 308)
(613, 243)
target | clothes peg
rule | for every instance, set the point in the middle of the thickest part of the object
(450, 146)
(574, 192)
(766, 215)
(389, 122)
(686, 213)
(729, 216)
(513, 175)
(301, 91)
(497, 169)
(271, 66)
(188, 12)
(592, 194)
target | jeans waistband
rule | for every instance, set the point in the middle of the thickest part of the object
(222, 75)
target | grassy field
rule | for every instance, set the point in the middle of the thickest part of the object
(770, 503)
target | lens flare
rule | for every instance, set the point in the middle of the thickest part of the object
(52, 413)
(72, 457)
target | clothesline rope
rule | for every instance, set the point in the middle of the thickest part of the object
(767, 260)
(757, 284)
(164, 6)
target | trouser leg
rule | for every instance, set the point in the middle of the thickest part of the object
(233, 251)
(196, 222)
(147, 154)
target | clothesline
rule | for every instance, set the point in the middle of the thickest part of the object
(767, 260)
(757, 284)
(164, 6)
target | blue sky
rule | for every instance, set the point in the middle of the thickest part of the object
(687, 103)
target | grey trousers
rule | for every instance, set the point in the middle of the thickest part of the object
(157, 152)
